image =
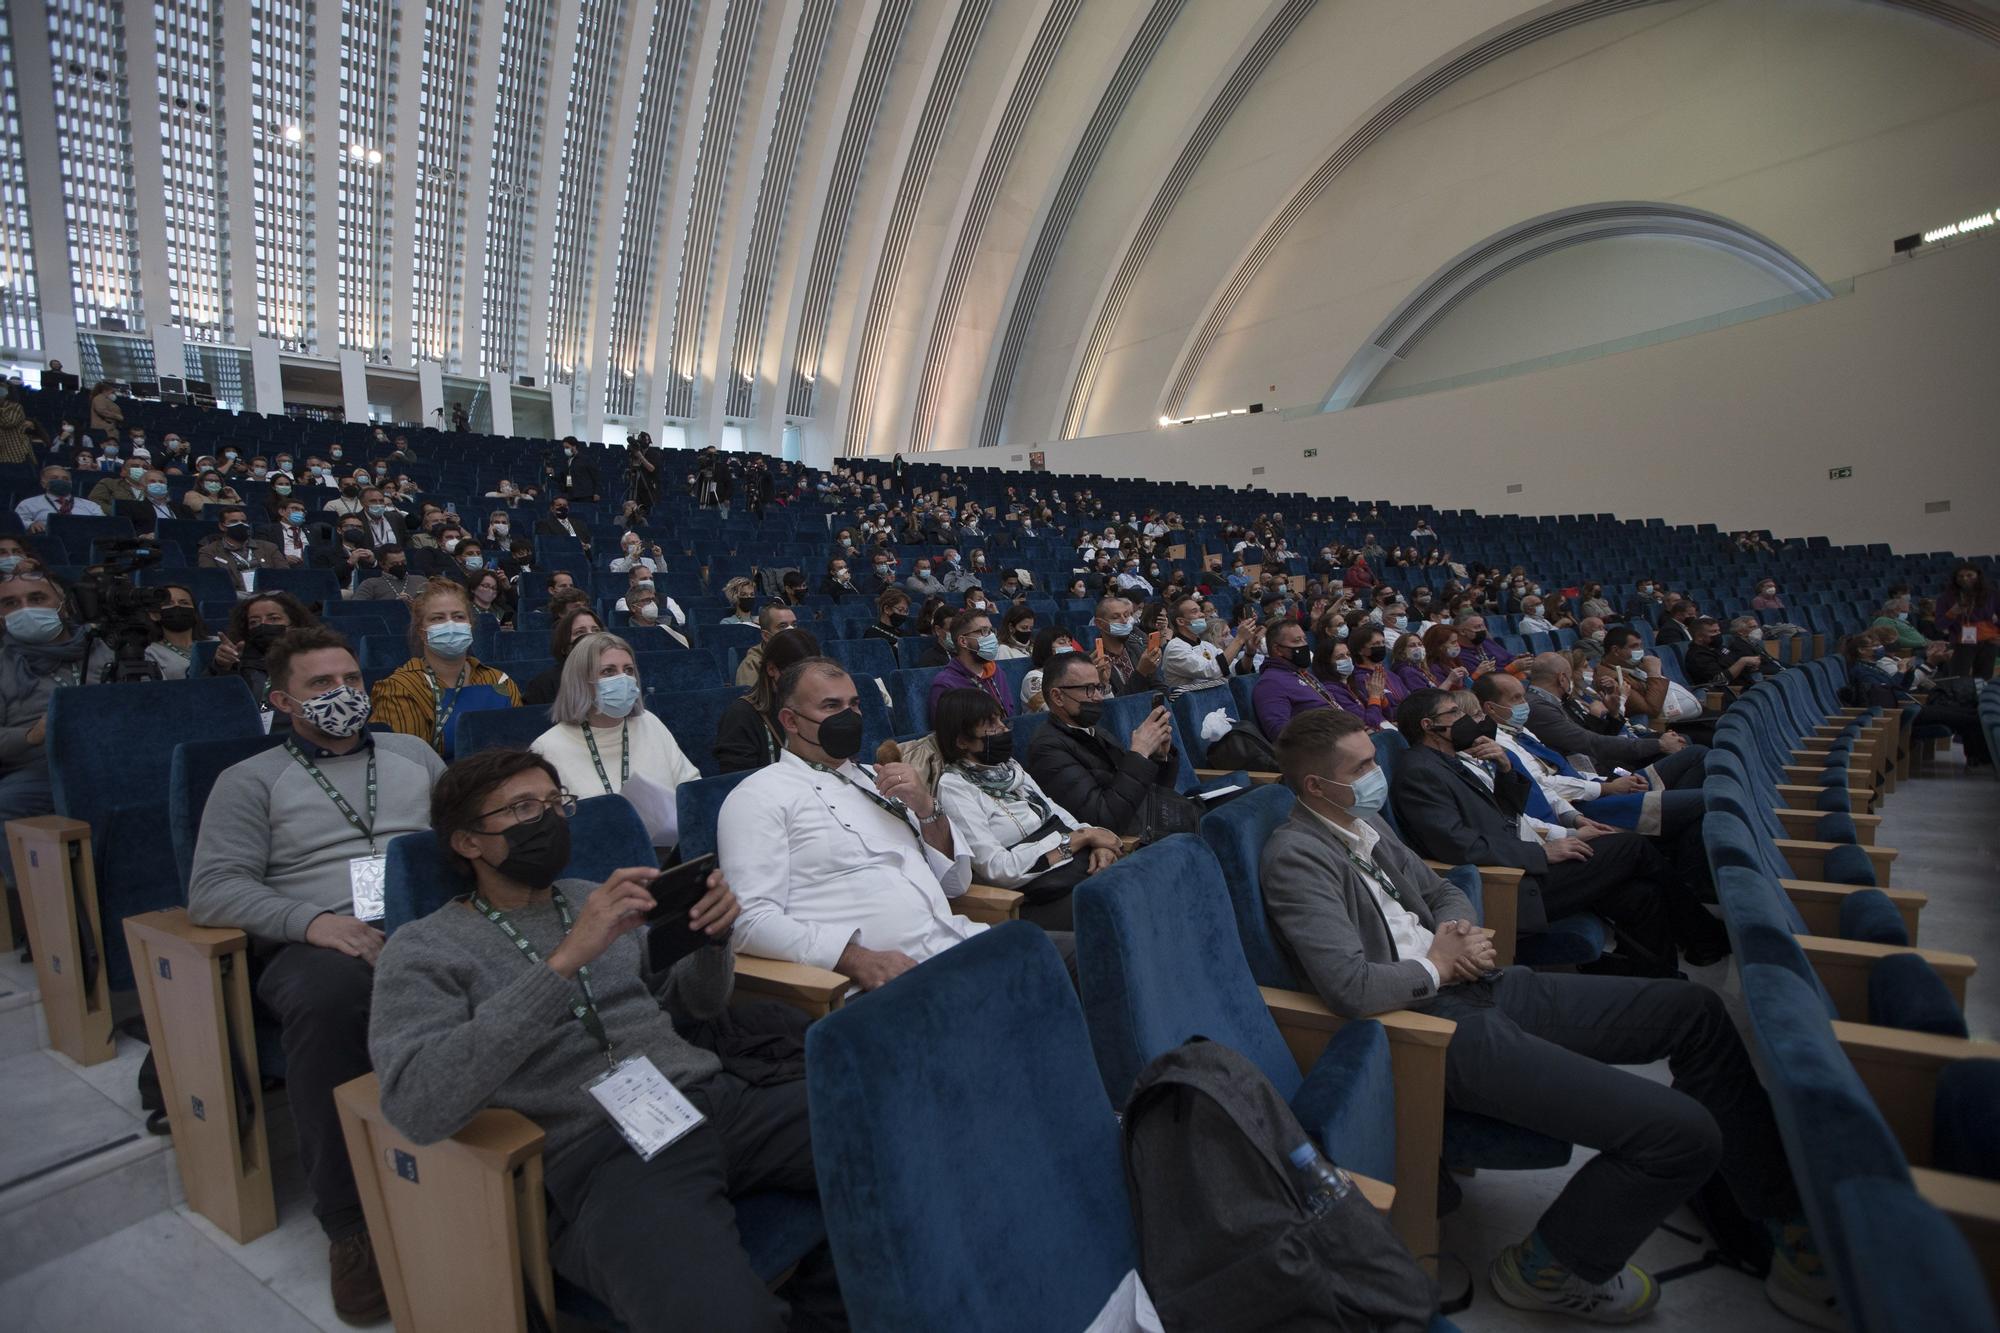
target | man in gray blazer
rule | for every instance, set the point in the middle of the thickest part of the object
(1371, 929)
(1552, 715)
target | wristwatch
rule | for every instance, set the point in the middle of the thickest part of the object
(1064, 847)
(937, 813)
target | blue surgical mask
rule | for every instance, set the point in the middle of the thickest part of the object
(1345, 666)
(475, 562)
(35, 624)
(9, 563)
(1341, 632)
(1369, 793)
(1517, 716)
(295, 517)
(156, 489)
(1400, 622)
(1636, 656)
(1198, 626)
(988, 646)
(618, 695)
(1120, 628)
(450, 639)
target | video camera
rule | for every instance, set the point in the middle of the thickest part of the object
(119, 613)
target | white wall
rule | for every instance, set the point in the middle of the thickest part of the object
(1737, 427)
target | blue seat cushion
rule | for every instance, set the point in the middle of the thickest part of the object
(1906, 992)
(1870, 917)
(1473, 1140)
(1914, 1269)
(1965, 1131)
(1837, 826)
(1348, 1101)
(1848, 864)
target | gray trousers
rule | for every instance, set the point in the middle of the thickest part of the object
(1537, 1050)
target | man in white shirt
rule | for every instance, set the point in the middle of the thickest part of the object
(57, 497)
(837, 864)
(1193, 663)
(1130, 580)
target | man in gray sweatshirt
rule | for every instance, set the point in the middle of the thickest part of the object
(531, 990)
(285, 839)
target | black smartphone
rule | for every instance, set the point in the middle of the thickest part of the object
(1160, 700)
(669, 937)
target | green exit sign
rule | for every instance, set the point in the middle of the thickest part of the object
(1312, 453)
(1839, 473)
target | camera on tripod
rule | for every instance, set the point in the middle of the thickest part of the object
(119, 613)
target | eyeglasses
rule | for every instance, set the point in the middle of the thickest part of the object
(1081, 691)
(527, 810)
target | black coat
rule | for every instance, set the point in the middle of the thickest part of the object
(1095, 778)
(1446, 814)
(577, 478)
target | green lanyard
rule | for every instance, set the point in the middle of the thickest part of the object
(1377, 876)
(366, 830)
(584, 1007)
(896, 809)
(441, 711)
(624, 755)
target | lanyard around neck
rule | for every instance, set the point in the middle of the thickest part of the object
(367, 829)
(624, 754)
(585, 1006)
(897, 810)
(441, 712)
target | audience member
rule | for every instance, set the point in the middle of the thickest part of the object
(1129, 662)
(1080, 767)
(177, 627)
(1881, 679)
(603, 734)
(1373, 930)
(748, 735)
(254, 625)
(57, 497)
(1969, 614)
(892, 614)
(1732, 661)
(291, 851)
(576, 622)
(1051, 641)
(1603, 745)
(773, 619)
(1192, 661)
(972, 665)
(425, 695)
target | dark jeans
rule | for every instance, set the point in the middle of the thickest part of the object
(1973, 659)
(320, 999)
(1537, 1050)
(656, 1241)
(1624, 881)
(1964, 724)
(1683, 771)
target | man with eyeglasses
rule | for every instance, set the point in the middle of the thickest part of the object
(1128, 660)
(1080, 767)
(291, 851)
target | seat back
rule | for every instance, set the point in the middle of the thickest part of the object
(1160, 962)
(494, 728)
(191, 775)
(984, 1044)
(1192, 708)
(692, 716)
(1236, 834)
(911, 692)
(700, 806)
(605, 833)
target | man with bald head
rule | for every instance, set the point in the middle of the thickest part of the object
(1562, 723)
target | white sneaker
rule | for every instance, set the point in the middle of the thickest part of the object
(1624, 1297)
(1799, 1286)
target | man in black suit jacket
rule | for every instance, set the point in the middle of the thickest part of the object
(1678, 626)
(1081, 768)
(574, 475)
(558, 523)
(1459, 800)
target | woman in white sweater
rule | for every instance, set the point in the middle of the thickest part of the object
(1016, 836)
(603, 736)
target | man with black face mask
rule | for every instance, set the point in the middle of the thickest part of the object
(1459, 799)
(235, 552)
(1081, 767)
(560, 524)
(292, 851)
(838, 864)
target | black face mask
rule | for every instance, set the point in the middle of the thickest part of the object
(896, 619)
(354, 537)
(1089, 713)
(178, 619)
(237, 532)
(840, 734)
(744, 605)
(1376, 654)
(261, 637)
(395, 570)
(1300, 657)
(1478, 636)
(537, 851)
(996, 750)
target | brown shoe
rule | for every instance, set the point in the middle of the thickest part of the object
(357, 1282)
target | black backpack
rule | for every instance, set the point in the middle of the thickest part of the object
(1225, 1238)
(1242, 748)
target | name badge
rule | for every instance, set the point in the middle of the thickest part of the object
(648, 1110)
(366, 876)
(1968, 634)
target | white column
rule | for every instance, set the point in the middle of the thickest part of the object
(324, 157)
(591, 372)
(500, 398)
(50, 233)
(267, 376)
(353, 384)
(401, 192)
(477, 164)
(430, 394)
(562, 60)
(239, 220)
(142, 101)
(740, 217)
(169, 351)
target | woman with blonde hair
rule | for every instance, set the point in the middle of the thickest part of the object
(603, 736)
(425, 696)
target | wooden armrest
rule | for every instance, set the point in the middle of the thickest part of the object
(1807, 858)
(814, 989)
(1381, 1195)
(1866, 743)
(1842, 967)
(984, 902)
(1802, 823)
(1973, 1205)
(1256, 779)
(456, 1224)
(1799, 797)
(1417, 1045)
(1900, 1070)
(1819, 903)
(172, 926)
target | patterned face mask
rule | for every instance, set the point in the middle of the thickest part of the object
(340, 712)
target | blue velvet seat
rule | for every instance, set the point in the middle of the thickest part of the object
(493, 728)
(675, 669)
(1236, 834)
(692, 716)
(862, 657)
(910, 691)
(699, 805)
(1897, 1263)
(969, 1163)
(1160, 962)
(777, 1227)
(110, 751)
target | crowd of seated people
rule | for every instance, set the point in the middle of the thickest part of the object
(1564, 764)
